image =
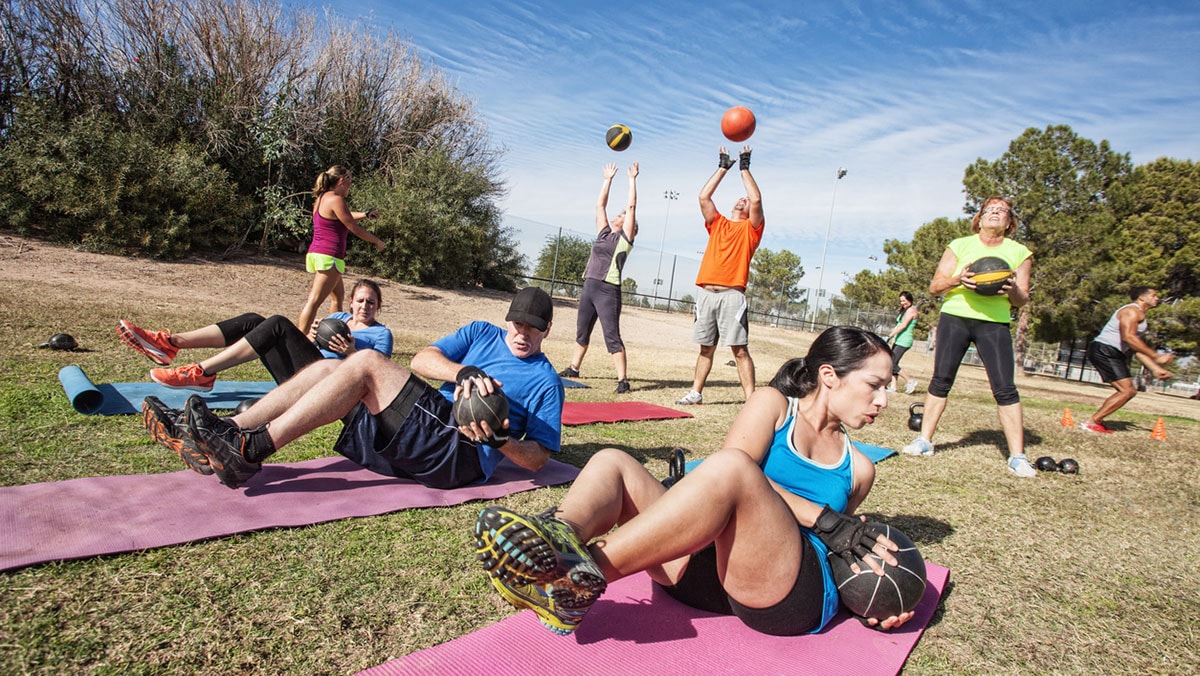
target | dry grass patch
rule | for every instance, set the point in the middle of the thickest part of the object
(1057, 574)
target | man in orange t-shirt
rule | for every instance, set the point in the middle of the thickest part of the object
(722, 315)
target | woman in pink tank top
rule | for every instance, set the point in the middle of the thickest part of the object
(332, 220)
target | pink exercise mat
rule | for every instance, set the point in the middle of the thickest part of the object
(588, 412)
(107, 515)
(635, 628)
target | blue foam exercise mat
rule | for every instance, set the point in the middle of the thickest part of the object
(125, 398)
(874, 453)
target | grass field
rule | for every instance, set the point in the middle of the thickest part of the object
(1093, 573)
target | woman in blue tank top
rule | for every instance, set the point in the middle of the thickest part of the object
(745, 533)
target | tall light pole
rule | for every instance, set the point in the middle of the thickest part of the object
(670, 196)
(821, 275)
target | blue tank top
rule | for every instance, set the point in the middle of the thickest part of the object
(817, 483)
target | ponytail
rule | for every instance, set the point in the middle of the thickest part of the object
(327, 180)
(845, 348)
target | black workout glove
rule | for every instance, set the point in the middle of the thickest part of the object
(468, 372)
(724, 162)
(744, 160)
(847, 536)
(498, 438)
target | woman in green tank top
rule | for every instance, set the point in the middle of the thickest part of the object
(906, 324)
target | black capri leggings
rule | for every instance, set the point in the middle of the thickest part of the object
(280, 346)
(994, 345)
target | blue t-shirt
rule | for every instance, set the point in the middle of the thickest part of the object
(375, 337)
(817, 483)
(534, 389)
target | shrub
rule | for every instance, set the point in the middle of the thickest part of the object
(91, 183)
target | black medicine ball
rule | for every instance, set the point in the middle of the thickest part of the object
(61, 341)
(328, 328)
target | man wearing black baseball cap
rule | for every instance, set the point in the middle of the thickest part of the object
(398, 425)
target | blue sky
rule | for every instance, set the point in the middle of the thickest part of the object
(904, 95)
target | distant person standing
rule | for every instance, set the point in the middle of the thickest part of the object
(906, 324)
(326, 259)
(601, 295)
(1109, 353)
(969, 317)
(722, 314)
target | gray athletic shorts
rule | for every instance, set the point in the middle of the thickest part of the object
(722, 318)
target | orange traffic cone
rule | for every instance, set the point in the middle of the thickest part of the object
(1160, 431)
(1067, 420)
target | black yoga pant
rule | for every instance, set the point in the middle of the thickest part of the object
(280, 346)
(993, 343)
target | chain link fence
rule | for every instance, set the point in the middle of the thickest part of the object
(665, 281)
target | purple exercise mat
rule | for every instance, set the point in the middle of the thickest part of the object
(108, 515)
(635, 628)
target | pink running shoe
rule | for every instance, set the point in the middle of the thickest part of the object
(156, 345)
(190, 377)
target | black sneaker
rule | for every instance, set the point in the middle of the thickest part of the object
(223, 443)
(622, 386)
(166, 425)
(569, 372)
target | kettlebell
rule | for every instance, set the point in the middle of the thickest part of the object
(915, 417)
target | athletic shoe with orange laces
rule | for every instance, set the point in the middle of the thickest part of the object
(165, 424)
(190, 377)
(156, 345)
(227, 447)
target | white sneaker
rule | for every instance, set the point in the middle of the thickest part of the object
(889, 389)
(692, 398)
(1019, 465)
(919, 446)
(912, 387)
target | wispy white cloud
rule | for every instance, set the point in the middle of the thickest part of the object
(904, 95)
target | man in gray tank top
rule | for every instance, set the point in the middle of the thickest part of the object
(1109, 353)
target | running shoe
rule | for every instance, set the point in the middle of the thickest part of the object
(539, 562)
(165, 425)
(190, 377)
(889, 389)
(558, 610)
(692, 398)
(919, 446)
(569, 372)
(912, 387)
(224, 444)
(1019, 465)
(1098, 428)
(156, 345)
(622, 386)
(541, 549)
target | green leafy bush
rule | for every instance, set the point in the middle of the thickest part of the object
(91, 183)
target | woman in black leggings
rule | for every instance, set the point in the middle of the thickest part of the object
(968, 316)
(275, 341)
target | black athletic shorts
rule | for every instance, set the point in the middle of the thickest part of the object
(798, 613)
(1111, 363)
(415, 437)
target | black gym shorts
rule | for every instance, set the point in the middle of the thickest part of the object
(1111, 363)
